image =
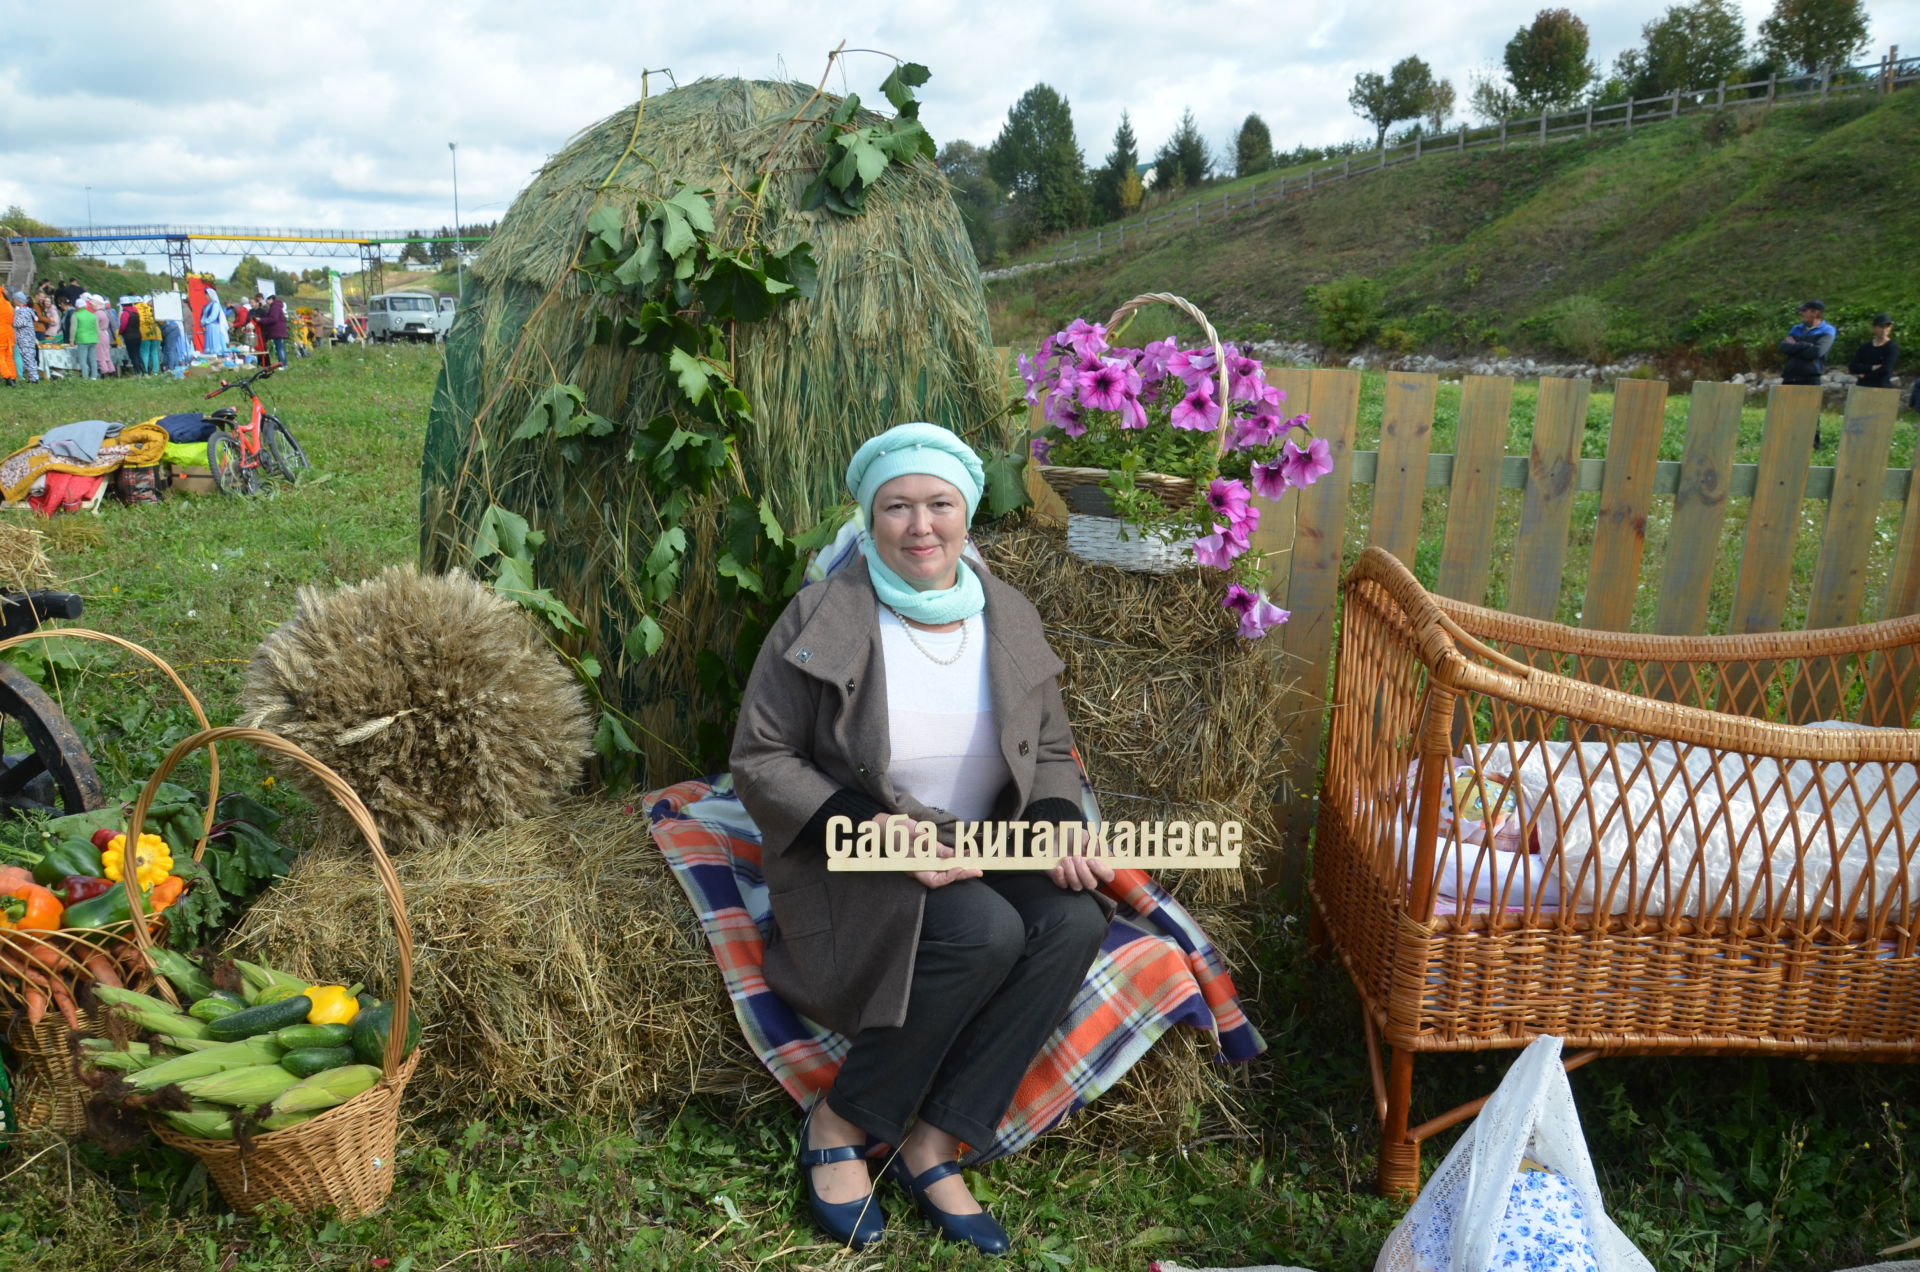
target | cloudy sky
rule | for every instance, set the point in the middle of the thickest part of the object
(339, 114)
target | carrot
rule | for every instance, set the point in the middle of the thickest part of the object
(101, 967)
(63, 999)
(33, 984)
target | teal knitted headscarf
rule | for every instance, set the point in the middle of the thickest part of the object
(933, 451)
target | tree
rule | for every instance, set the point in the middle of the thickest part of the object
(1253, 148)
(1689, 46)
(1490, 97)
(1408, 91)
(414, 249)
(1809, 35)
(977, 195)
(1036, 160)
(1109, 184)
(1183, 160)
(1547, 63)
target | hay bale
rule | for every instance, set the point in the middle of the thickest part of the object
(556, 963)
(23, 559)
(1176, 717)
(436, 699)
(898, 331)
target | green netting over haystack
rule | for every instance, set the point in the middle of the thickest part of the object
(898, 331)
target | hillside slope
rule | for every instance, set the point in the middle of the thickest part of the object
(1690, 238)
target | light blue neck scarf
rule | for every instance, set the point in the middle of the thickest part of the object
(946, 605)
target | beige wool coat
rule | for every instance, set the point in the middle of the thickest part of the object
(813, 741)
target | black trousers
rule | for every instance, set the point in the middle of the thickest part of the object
(999, 961)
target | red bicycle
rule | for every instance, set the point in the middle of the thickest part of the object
(239, 454)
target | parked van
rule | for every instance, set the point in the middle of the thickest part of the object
(407, 315)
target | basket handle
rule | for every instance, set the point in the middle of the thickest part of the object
(1192, 311)
(193, 705)
(362, 820)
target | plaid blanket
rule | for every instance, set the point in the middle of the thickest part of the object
(1156, 970)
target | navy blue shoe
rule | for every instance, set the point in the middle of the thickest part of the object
(854, 1224)
(982, 1231)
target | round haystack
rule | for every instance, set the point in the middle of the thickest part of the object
(436, 699)
(897, 331)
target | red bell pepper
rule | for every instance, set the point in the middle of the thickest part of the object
(80, 888)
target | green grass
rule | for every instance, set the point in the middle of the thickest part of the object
(1708, 1163)
(1697, 235)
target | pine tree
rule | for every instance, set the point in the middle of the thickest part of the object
(1109, 184)
(1183, 160)
(1253, 148)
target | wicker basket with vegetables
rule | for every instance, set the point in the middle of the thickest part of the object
(287, 1091)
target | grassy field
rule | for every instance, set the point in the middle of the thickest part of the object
(1696, 235)
(1707, 1163)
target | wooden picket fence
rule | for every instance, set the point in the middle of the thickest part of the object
(1309, 531)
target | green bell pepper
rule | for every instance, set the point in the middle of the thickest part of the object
(110, 907)
(68, 857)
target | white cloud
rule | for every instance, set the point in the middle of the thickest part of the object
(339, 115)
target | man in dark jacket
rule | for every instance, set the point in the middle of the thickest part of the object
(1807, 344)
(273, 328)
(1873, 360)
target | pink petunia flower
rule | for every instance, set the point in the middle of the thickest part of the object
(1088, 339)
(1042, 451)
(1257, 613)
(1231, 502)
(1152, 360)
(1269, 479)
(1218, 549)
(1061, 412)
(1104, 386)
(1195, 366)
(1196, 412)
(1304, 467)
(1133, 413)
(1245, 378)
(1034, 370)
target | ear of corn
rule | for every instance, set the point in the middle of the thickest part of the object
(246, 1087)
(118, 1061)
(281, 1121)
(179, 969)
(259, 979)
(107, 1044)
(326, 1089)
(257, 1050)
(202, 1121)
(189, 1044)
(150, 1014)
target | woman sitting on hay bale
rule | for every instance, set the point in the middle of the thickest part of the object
(914, 687)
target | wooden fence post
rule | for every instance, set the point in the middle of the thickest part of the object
(1543, 130)
(1629, 114)
(1676, 103)
(1303, 648)
(1589, 119)
(1826, 79)
(1346, 166)
(1503, 132)
(1773, 84)
(1463, 138)
(1417, 139)
(1720, 98)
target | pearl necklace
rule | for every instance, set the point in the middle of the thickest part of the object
(958, 654)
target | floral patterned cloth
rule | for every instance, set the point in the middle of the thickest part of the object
(1544, 1230)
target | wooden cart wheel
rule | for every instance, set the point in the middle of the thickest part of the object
(55, 776)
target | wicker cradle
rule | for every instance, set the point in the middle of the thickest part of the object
(1797, 936)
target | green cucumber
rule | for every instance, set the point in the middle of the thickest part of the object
(307, 1061)
(265, 1018)
(211, 1009)
(295, 1037)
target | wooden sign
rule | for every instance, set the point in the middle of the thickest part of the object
(1014, 845)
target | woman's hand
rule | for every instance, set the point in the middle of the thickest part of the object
(1077, 873)
(927, 878)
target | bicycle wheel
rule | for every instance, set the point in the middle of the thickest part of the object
(231, 475)
(283, 455)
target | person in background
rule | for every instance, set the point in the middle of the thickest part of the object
(68, 292)
(213, 323)
(1873, 360)
(46, 314)
(26, 346)
(174, 355)
(130, 335)
(85, 329)
(272, 317)
(103, 338)
(149, 337)
(1807, 344)
(7, 330)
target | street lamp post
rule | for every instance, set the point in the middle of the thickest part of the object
(459, 265)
